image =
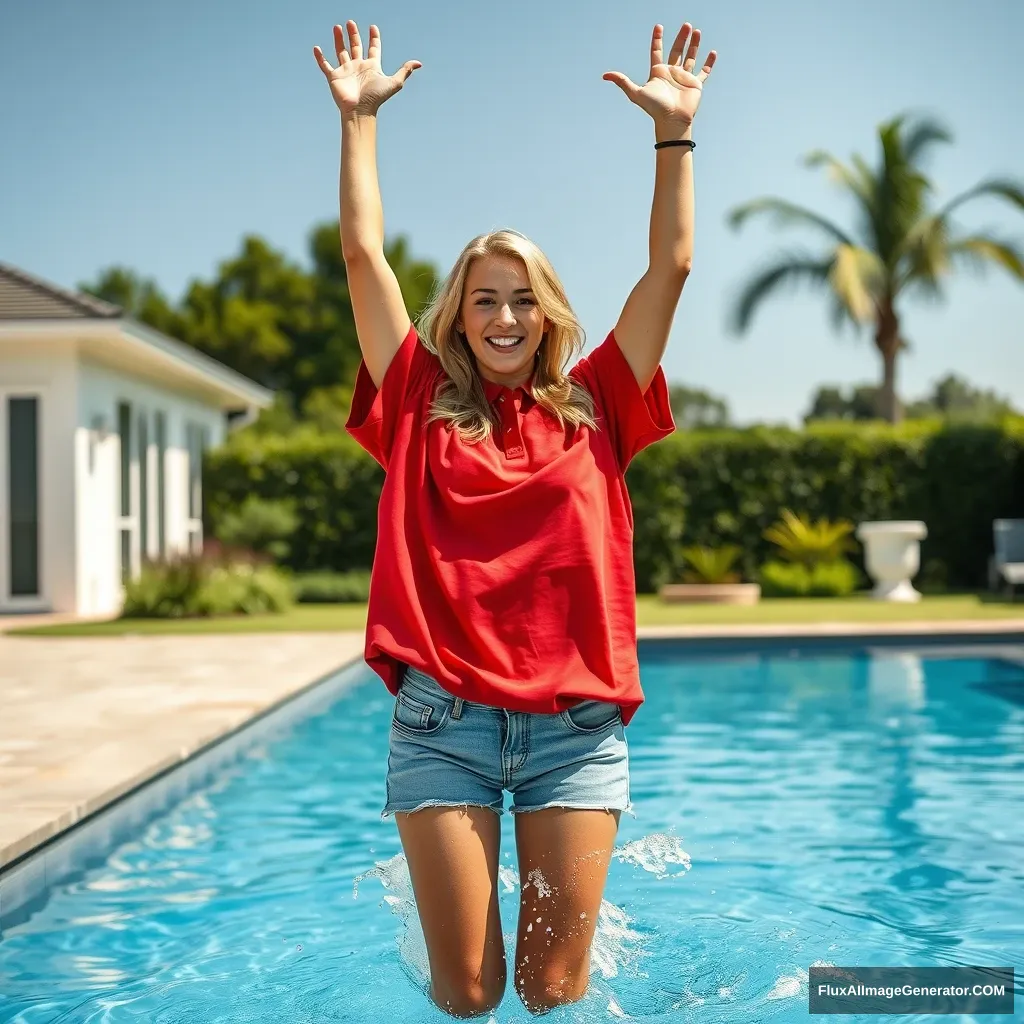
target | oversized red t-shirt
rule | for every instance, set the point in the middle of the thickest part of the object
(504, 569)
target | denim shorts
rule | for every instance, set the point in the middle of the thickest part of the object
(449, 752)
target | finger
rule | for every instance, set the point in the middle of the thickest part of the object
(325, 64)
(656, 41)
(374, 51)
(628, 87)
(690, 60)
(403, 73)
(708, 65)
(355, 44)
(676, 53)
(339, 45)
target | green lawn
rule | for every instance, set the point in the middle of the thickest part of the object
(650, 612)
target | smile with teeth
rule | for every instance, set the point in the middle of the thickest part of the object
(504, 342)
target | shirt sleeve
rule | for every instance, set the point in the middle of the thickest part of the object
(633, 418)
(377, 412)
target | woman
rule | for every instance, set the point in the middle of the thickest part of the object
(502, 606)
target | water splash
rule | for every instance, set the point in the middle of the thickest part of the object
(393, 874)
(654, 853)
(617, 946)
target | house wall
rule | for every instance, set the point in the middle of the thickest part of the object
(47, 370)
(97, 460)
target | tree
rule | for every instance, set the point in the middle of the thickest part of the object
(140, 298)
(286, 327)
(952, 398)
(901, 245)
(830, 403)
(955, 398)
(693, 408)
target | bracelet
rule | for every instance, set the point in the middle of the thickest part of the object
(689, 143)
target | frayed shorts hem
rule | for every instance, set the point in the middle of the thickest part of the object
(388, 811)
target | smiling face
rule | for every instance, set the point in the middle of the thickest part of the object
(501, 319)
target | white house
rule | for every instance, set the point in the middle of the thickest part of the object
(103, 422)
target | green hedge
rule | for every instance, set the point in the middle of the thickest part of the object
(708, 488)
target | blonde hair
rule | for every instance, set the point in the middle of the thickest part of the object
(460, 399)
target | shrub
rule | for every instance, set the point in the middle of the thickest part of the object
(332, 485)
(710, 489)
(194, 587)
(332, 587)
(801, 540)
(259, 525)
(711, 565)
(797, 579)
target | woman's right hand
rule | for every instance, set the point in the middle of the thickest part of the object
(357, 84)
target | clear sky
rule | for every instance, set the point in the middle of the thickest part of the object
(157, 135)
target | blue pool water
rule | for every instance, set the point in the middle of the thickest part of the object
(791, 809)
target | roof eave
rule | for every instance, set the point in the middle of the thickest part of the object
(193, 364)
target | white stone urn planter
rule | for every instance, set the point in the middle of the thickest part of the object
(892, 553)
(711, 593)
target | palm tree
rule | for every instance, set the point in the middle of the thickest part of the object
(901, 245)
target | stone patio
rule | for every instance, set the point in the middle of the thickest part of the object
(85, 720)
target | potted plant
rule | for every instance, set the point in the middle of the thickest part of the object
(812, 562)
(710, 578)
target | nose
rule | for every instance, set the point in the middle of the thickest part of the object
(505, 315)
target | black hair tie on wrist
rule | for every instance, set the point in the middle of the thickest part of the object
(689, 143)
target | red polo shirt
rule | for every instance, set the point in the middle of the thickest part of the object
(504, 569)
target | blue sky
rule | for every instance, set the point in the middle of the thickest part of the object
(157, 135)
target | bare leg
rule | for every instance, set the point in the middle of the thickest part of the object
(453, 863)
(564, 855)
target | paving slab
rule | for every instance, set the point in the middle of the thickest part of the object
(84, 720)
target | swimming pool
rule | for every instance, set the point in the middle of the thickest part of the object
(793, 807)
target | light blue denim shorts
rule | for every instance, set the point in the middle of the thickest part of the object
(446, 751)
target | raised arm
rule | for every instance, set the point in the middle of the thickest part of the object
(671, 96)
(359, 87)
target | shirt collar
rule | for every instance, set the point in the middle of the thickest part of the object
(494, 391)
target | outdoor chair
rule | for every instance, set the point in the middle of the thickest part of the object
(1006, 566)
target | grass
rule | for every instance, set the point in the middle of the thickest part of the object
(316, 618)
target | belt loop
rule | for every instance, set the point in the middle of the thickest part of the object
(457, 710)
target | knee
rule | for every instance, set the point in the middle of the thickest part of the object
(548, 989)
(468, 998)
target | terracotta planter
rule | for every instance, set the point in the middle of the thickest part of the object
(711, 593)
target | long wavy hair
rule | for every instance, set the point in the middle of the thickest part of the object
(460, 399)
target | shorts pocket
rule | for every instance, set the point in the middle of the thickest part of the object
(592, 716)
(421, 714)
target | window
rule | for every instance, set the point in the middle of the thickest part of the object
(124, 429)
(23, 495)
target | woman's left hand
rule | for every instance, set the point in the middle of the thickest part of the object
(672, 93)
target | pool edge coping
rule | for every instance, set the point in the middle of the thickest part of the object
(70, 842)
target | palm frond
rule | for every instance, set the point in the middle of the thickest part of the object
(858, 278)
(922, 134)
(785, 214)
(802, 540)
(923, 255)
(1003, 188)
(711, 565)
(858, 180)
(787, 269)
(980, 250)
